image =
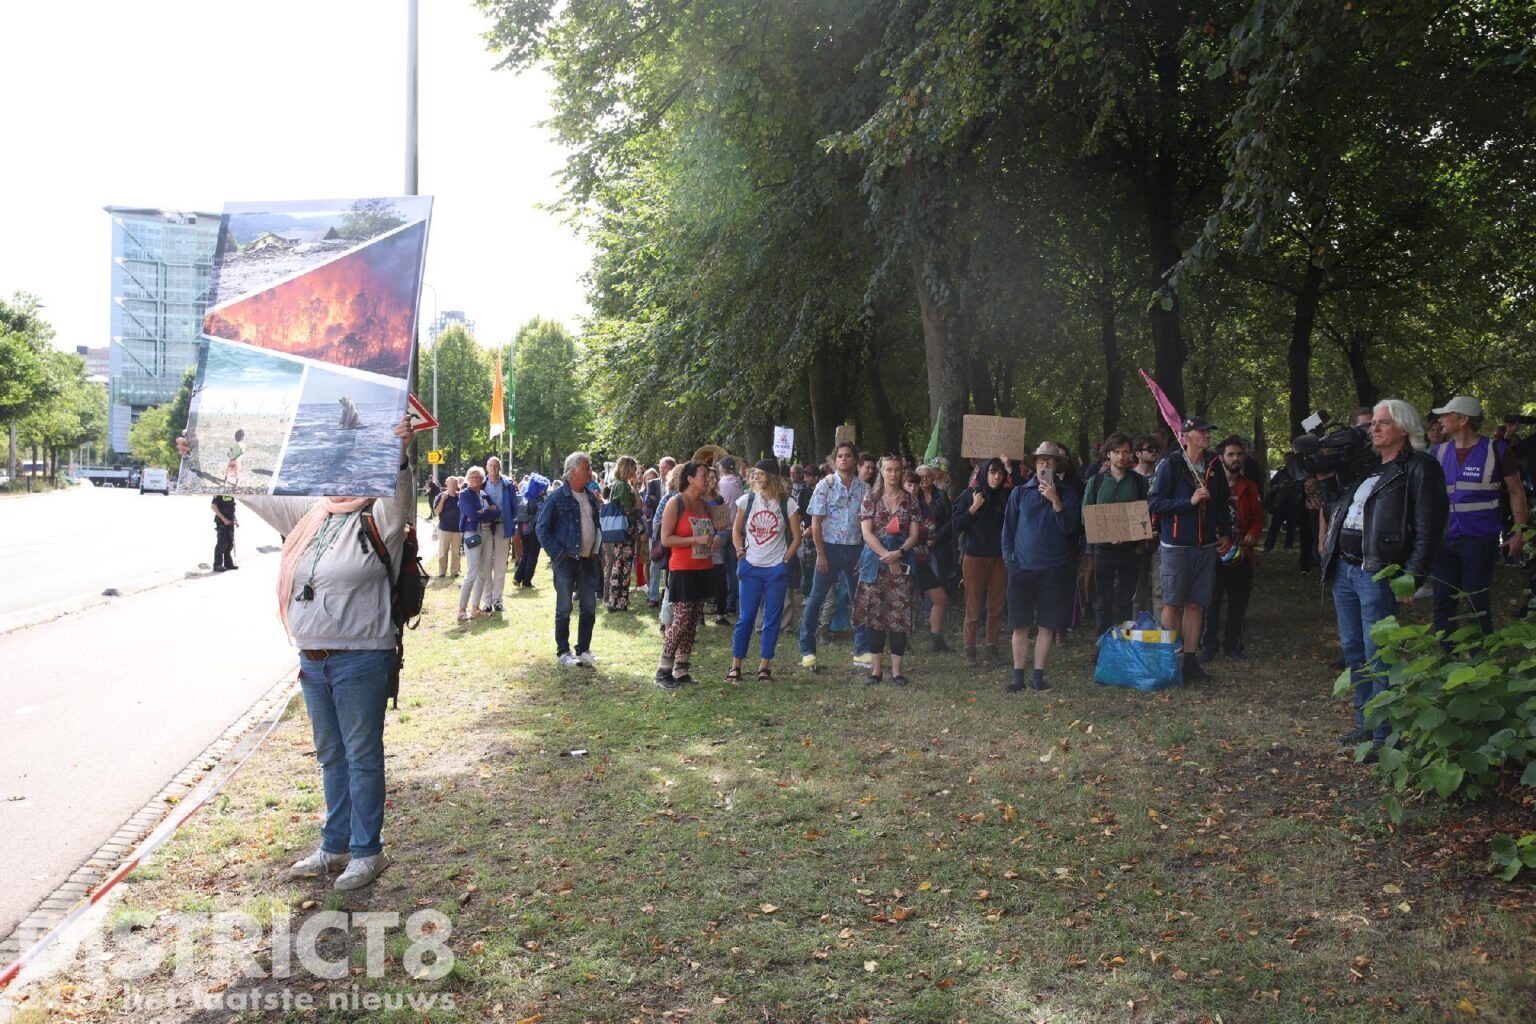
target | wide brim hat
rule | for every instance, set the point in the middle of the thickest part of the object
(1050, 449)
(710, 454)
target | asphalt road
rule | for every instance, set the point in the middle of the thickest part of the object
(100, 708)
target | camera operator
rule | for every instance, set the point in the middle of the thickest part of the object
(1476, 469)
(1393, 515)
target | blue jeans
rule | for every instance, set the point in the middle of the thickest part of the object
(763, 587)
(1360, 602)
(578, 577)
(1465, 566)
(842, 561)
(653, 581)
(730, 602)
(345, 695)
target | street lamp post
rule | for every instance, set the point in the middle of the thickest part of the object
(430, 329)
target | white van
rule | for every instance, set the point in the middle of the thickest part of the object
(152, 479)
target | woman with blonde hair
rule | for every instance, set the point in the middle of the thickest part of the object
(477, 514)
(889, 520)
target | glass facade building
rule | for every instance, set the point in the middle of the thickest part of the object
(162, 266)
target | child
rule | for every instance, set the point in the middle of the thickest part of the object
(232, 470)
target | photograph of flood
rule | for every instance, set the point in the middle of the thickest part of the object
(242, 410)
(342, 442)
(358, 311)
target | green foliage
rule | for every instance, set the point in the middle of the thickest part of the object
(369, 217)
(148, 438)
(553, 414)
(464, 371)
(1463, 720)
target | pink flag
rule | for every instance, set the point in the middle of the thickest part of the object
(1170, 414)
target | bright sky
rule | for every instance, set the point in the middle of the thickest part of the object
(184, 104)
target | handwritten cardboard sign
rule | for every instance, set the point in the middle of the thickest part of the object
(986, 436)
(720, 516)
(844, 433)
(1118, 522)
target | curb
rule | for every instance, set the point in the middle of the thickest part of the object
(149, 828)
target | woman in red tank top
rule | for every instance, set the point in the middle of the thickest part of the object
(686, 529)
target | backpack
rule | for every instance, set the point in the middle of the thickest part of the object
(613, 523)
(659, 551)
(407, 593)
(783, 511)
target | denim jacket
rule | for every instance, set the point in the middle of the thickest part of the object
(504, 494)
(870, 565)
(560, 524)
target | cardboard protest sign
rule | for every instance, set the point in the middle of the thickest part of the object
(985, 436)
(720, 516)
(783, 442)
(844, 433)
(308, 339)
(1118, 522)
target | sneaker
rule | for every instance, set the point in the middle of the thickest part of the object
(362, 871)
(863, 660)
(569, 660)
(586, 659)
(498, 607)
(808, 661)
(318, 863)
(1039, 686)
(666, 682)
(1014, 686)
(1354, 737)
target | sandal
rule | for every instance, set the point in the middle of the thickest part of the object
(733, 676)
(765, 675)
(463, 615)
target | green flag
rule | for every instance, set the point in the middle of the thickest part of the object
(935, 440)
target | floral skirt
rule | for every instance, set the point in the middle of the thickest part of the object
(885, 604)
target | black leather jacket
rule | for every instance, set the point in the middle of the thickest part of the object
(1405, 517)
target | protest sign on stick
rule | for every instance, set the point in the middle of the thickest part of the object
(986, 436)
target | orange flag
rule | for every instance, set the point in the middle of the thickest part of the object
(498, 404)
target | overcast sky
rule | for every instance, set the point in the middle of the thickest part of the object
(185, 104)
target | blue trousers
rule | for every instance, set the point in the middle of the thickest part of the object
(575, 582)
(1464, 566)
(765, 587)
(345, 695)
(842, 562)
(1360, 602)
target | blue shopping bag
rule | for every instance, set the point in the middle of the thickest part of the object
(1141, 659)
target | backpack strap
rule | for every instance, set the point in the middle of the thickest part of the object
(378, 545)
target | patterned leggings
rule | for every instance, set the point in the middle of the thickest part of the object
(677, 641)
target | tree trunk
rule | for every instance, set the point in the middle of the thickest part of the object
(985, 396)
(1114, 383)
(1300, 354)
(945, 357)
(1260, 445)
(1359, 344)
(824, 404)
(890, 423)
(1160, 190)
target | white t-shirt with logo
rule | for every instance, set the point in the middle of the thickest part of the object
(766, 531)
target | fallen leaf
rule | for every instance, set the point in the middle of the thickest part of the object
(1465, 1006)
(1180, 975)
(1391, 890)
(769, 908)
(871, 965)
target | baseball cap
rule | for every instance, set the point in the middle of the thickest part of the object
(1464, 405)
(1197, 423)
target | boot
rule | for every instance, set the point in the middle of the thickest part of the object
(1193, 673)
(936, 643)
(971, 660)
(994, 656)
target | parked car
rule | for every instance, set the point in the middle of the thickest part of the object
(153, 479)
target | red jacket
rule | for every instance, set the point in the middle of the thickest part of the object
(1249, 521)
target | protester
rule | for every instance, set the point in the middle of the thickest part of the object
(836, 534)
(621, 565)
(1234, 568)
(334, 599)
(530, 503)
(978, 518)
(445, 513)
(931, 558)
(224, 524)
(1394, 515)
(1190, 496)
(568, 531)
(766, 535)
(1040, 531)
(1476, 471)
(889, 523)
(688, 532)
(498, 540)
(1285, 503)
(1115, 566)
(478, 517)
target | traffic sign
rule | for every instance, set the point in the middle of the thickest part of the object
(420, 418)
(435, 457)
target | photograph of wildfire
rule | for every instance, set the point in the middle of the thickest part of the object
(358, 311)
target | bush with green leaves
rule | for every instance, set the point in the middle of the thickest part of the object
(1462, 714)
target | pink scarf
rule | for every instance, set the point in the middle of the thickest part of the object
(298, 542)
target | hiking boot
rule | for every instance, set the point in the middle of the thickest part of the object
(318, 863)
(971, 660)
(994, 656)
(937, 644)
(1192, 670)
(362, 871)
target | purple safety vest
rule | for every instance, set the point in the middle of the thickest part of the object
(1473, 488)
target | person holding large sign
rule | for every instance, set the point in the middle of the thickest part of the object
(1115, 565)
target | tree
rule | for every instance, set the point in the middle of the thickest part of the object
(464, 372)
(369, 217)
(24, 380)
(147, 438)
(554, 413)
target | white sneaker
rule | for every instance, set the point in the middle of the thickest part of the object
(362, 871)
(808, 661)
(569, 660)
(586, 658)
(318, 863)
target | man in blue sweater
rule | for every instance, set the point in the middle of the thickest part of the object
(1040, 528)
(1192, 501)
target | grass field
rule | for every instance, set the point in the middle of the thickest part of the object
(816, 850)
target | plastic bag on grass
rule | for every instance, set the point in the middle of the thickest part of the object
(1140, 659)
